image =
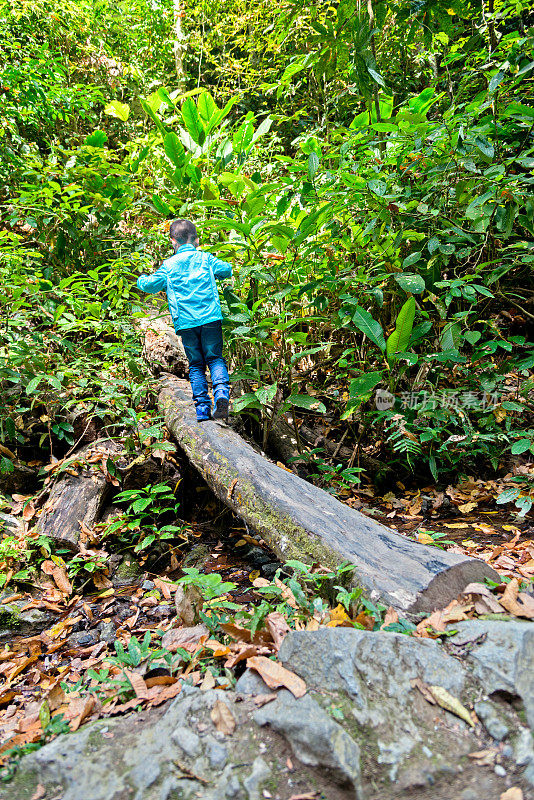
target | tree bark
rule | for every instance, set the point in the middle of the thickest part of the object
(77, 499)
(300, 521)
(179, 45)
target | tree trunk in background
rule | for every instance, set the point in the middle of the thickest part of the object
(179, 45)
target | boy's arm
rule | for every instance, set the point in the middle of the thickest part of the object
(221, 269)
(153, 283)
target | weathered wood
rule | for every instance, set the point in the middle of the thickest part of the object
(300, 521)
(162, 347)
(77, 498)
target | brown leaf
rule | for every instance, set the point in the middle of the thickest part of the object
(417, 683)
(240, 634)
(208, 681)
(222, 718)
(277, 626)
(514, 793)
(450, 703)
(262, 699)
(61, 579)
(138, 684)
(184, 637)
(29, 512)
(160, 680)
(287, 594)
(39, 793)
(78, 710)
(509, 601)
(390, 617)
(275, 675)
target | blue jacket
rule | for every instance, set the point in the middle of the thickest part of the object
(188, 277)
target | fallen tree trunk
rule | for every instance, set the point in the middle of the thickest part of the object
(162, 347)
(77, 494)
(300, 521)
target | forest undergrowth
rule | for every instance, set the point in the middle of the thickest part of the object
(368, 172)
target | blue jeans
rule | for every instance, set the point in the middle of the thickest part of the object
(203, 347)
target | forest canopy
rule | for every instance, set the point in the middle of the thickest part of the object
(368, 169)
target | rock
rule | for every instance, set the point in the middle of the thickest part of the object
(107, 631)
(188, 601)
(197, 557)
(367, 678)
(157, 755)
(315, 738)
(495, 726)
(500, 655)
(147, 586)
(10, 525)
(21, 479)
(15, 622)
(82, 639)
(128, 572)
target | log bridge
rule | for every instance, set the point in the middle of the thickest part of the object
(300, 521)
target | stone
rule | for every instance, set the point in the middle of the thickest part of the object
(82, 638)
(495, 726)
(500, 655)
(128, 572)
(107, 631)
(187, 740)
(196, 557)
(217, 753)
(260, 773)
(148, 585)
(15, 622)
(315, 738)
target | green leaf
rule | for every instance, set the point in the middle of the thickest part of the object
(307, 402)
(360, 388)
(410, 282)
(160, 205)
(119, 110)
(521, 446)
(377, 187)
(376, 76)
(207, 109)
(484, 146)
(369, 326)
(495, 81)
(96, 139)
(33, 384)
(412, 259)
(174, 149)
(398, 340)
(192, 121)
(313, 164)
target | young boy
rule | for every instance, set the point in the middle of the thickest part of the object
(188, 278)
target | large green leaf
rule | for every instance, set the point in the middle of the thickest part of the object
(192, 121)
(307, 402)
(399, 339)
(174, 149)
(410, 282)
(360, 388)
(119, 110)
(369, 326)
(207, 109)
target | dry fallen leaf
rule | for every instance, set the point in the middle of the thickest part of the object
(39, 792)
(444, 699)
(390, 618)
(521, 605)
(466, 508)
(262, 699)
(514, 793)
(138, 684)
(222, 718)
(183, 637)
(208, 681)
(275, 675)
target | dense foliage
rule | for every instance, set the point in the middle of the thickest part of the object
(367, 167)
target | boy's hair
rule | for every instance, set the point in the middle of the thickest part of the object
(183, 231)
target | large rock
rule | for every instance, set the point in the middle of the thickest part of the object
(500, 654)
(174, 754)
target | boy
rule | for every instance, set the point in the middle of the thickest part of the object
(188, 278)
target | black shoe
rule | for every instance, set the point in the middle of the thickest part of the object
(222, 409)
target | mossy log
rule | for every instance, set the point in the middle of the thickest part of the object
(77, 494)
(300, 521)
